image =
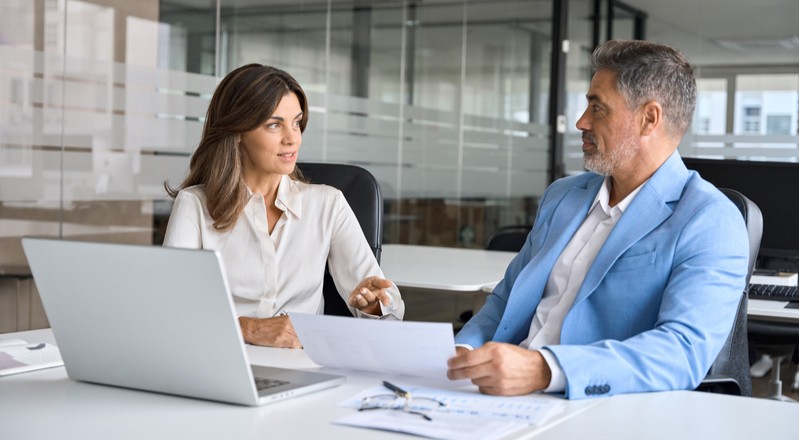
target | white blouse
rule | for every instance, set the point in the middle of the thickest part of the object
(284, 271)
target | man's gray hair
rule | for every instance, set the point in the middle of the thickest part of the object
(648, 71)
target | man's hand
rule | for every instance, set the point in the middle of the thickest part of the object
(368, 295)
(501, 369)
(269, 332)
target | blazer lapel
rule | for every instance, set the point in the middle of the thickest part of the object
(529, 286)
(651, 207)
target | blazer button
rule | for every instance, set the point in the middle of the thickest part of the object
(597, 389)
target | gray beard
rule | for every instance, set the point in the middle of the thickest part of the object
(606, 164)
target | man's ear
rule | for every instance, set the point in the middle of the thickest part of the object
(651, 117)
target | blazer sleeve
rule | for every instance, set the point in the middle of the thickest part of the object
(483, 325)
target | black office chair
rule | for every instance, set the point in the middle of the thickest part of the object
(363, 194)
(778, 340)
(508, 238)
(729, 373)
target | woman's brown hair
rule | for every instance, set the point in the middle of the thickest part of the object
(244, 100)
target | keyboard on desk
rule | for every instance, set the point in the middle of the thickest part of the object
(773, 292)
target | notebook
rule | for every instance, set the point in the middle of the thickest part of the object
(155, 319)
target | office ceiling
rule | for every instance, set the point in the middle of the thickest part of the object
(726, 31)
(709, 32)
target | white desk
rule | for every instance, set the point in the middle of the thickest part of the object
(772, 311)
(47, 405)
(675, 415)
(458, 270)
(443, 269)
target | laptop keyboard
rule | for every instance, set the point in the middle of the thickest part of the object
(262, 383)
(772, 292)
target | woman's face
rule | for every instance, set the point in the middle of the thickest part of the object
(272, 147)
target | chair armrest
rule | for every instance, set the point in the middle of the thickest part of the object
(720, 384)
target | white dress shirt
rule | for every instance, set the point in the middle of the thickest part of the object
(567, 276)
(283, 271)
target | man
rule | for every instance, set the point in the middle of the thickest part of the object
(631, 277)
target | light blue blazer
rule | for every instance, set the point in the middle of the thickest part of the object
(659, 300)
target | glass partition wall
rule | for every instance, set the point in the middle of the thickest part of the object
(435, 98)
(101, 101)
(447, 102)
(746, 63)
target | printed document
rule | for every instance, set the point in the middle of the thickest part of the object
(464, 415)
(443, 426)
(531, 409)
(390, 347)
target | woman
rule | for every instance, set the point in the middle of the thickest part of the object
(244, 198)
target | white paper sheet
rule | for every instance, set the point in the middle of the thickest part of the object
(443, 426)
(397, 347)
(531, 409)
(467, 415)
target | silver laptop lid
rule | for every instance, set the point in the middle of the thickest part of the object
(143, 317)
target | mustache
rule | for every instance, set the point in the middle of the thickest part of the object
(589, 138)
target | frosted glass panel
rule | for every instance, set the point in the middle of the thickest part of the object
(443, 101)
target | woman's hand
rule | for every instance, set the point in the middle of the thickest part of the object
(368, 295)
(269, 332)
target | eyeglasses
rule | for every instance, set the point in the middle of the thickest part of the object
(401, 400)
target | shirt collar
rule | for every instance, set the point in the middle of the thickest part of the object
(603, 199)
(289, 196)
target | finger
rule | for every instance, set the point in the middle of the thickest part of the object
(357, 300)
(383, 297)
(375, 283)
(457, 374)
(468, 358)
(462, 361)
(491, 381)
(481, 372)
(368, 295)
(491, 351)
(381, 283)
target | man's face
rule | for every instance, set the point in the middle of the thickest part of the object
(610, 136)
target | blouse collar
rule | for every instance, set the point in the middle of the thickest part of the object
(289, 196)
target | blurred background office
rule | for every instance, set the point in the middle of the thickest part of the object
(464, 110)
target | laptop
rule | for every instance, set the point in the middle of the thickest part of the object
(155, 319)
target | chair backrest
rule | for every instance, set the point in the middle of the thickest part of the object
(363, 194)
(733, 360)
(754, 224)
(508, 238)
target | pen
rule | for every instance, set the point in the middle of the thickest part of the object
(397, 390)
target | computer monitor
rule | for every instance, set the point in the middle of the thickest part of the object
(774, 187)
